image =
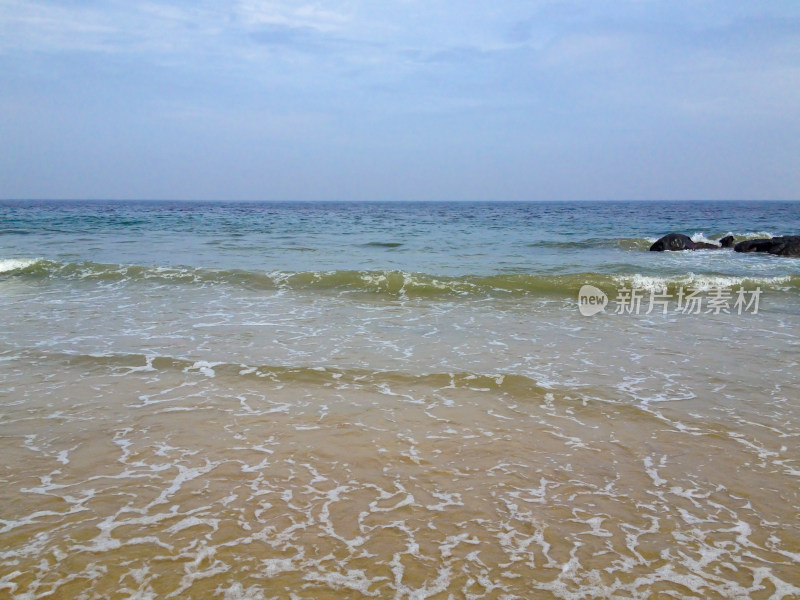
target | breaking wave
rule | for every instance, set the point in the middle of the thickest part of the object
(387, 283)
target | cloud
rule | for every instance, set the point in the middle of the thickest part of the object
(289, 14)
(53, 27)
(411, 82)
(35, 26)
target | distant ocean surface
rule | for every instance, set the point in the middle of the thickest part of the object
(396, 400)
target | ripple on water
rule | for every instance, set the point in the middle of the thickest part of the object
(338, 485)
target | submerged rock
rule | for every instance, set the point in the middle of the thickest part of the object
(780, 246)
(705, 246)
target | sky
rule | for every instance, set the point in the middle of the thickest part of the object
(400, 99)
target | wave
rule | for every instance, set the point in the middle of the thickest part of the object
(701, 237)
(390, 283)
(128, 364)
(382, 245)
(704, 283)
(747, 235)
(643, 243)
(16, 264)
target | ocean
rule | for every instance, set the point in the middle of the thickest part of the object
(250, 401)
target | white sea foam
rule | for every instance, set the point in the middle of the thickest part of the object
(204, 367)
(700, 237)
(276, 566)
(238, 592)
(446, 500)
(193, 522)
(652, 472)
(695, 282)
(751, 235)
(14, 264)
(353, 579)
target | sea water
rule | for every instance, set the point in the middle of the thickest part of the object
(396, 400)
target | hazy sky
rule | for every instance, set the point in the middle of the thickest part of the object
(400, 99)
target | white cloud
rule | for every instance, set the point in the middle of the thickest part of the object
(299, 15)
(405, 77)
(50, 27)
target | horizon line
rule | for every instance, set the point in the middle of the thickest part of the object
(403, 201)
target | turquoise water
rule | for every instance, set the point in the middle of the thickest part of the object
(444, 239)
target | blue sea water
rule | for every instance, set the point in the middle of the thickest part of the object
(395, 400)
(438, 239)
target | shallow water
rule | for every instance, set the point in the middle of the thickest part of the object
(188, 426)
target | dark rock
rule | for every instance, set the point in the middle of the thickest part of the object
(753, 245)
(727, 242)
(705, 246)
(780, 246)
(673, 241)
(678, 241)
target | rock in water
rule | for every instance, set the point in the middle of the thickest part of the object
(678, 241)
(705, 246)
(673, 241)
(780, 246)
